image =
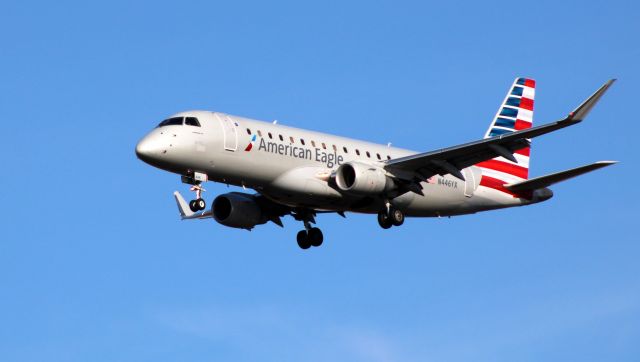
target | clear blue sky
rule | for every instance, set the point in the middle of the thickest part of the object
(96, 266)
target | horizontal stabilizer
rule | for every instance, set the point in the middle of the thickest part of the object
(548, 180)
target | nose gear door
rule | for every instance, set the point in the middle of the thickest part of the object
(230, 132)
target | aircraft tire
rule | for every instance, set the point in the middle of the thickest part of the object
(303, 240)
(201, 204)
(384, 220)
(397, 217)
(315, 237)
(193, 206)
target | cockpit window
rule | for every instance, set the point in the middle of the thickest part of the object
(175, 121)
(192, 121)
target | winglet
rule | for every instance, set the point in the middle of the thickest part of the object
(183, 207)
(581, 112)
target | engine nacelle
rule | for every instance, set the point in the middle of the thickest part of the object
(363, 179)
(237, 210)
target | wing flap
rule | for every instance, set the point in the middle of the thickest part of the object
(548, 180)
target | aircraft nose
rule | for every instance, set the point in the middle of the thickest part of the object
(147, 149)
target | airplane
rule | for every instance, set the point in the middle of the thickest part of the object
(303, 173)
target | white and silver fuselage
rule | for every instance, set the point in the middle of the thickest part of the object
(292, 166)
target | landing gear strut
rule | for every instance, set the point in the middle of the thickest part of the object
(199, 203)
(310, 236)
(390, 217)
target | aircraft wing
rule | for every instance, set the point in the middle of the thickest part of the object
(274, 210)
(452, 160)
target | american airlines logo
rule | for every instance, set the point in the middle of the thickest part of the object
(250, 145)
(317, 154)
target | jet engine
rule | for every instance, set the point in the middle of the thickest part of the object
(238, 210)
(363, 179)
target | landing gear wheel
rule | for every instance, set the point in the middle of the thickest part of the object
(193, 206)
(201, 204)
(303, 239)
(397, 217)
(384, 220)
(315, 237)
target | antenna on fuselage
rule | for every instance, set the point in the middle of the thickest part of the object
(275, 121)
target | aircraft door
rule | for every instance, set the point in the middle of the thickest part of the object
(470, 183)
(230, 132)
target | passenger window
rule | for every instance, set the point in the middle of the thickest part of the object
(281, 138)
(324, 146)
(368, 154)
(313, 143)
(388, 157)
(335, 149)
(192, 121)
(292, 140)
(248, 131)
(270, 136)
(378, 155)
(344, 149)
(357, 152)
(259, 133)
(175, 121)
(302, 141)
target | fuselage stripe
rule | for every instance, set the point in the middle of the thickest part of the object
(494, 183)
(509, 168)
(507, 178)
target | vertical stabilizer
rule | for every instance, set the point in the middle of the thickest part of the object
(515, 113)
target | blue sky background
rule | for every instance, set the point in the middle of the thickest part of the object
(96, 266)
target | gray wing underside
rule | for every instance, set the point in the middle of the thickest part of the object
(452, 160)
(275, 210)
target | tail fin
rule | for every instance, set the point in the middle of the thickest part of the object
(515, 113)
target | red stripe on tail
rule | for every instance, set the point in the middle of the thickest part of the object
(526, 103)
(524, 151)
(520, 124)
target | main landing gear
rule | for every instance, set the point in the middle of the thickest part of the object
(390, 217)
(310, 236)
(199, 203)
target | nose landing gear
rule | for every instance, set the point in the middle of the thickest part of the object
(199, 203)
